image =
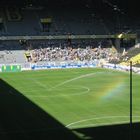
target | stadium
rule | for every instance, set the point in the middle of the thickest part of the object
(69, 70)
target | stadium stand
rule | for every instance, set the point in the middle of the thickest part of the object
(60, 19)
(135, 60)
(38, 33)
(131, 55)
(8, 57)
(35, 23)
(53, 20)
(85, 18)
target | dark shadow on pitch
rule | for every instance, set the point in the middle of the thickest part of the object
(21, 119)
(112, 132)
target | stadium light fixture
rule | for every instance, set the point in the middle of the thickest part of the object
(120, 35)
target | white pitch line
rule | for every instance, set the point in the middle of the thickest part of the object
(63, 83)
(64, 95)
(40, 84)
(99, 118)
(67, 81)
(74, 79)
(100, 124)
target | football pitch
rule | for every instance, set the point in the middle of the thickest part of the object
(80, 98)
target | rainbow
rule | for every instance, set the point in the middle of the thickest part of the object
(111, 89)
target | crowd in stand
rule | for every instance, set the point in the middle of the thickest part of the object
(48, 51)
(71, 54)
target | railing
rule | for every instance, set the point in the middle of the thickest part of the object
(57, 37)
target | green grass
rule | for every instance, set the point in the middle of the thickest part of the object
(80, 97)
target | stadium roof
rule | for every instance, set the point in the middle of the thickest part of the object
(125, 4)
